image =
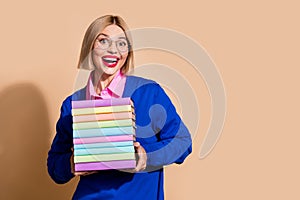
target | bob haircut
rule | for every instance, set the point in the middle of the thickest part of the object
(91, 34)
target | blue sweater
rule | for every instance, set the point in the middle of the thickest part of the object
(159, 130)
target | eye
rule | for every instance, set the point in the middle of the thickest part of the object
(103, 41)
(122, 43)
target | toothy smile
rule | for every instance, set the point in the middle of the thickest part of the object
(110, 61)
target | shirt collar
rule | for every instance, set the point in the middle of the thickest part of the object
(115, 88)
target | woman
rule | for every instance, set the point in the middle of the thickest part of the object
(161, 136)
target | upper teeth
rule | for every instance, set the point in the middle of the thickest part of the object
(110, 59)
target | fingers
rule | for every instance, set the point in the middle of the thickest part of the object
(136, 144)
(128, 170)
(84, 173)
(140, 166)
(73, 166)
(72, 162)
(142, 157)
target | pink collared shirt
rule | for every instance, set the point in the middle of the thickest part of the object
(114, 90)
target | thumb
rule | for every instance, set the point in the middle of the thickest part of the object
(136, 144)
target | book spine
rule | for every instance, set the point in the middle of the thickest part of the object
(103, 124)
(91, 151)
(104, 157)
(103, 144)
(86, 133)
(100, 110)
(103, 117)
(118, 138)
(101, 102)
(94, 166)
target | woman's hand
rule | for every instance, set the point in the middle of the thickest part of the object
(78, 173)
(141, 161)
(142, 157)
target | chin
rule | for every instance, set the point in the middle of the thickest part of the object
(109, 71)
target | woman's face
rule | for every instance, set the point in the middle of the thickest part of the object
(110, 50)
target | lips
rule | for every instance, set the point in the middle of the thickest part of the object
(110, 61)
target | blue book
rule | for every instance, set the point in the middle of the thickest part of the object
(98, 132)
(108, 150)
(103, 144)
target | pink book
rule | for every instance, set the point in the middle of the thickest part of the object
(117, 138)
(103, 117)
(101, 102)
(94, 166)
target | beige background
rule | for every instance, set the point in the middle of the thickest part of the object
(255, 45)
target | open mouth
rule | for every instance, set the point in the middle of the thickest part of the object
(110, 61)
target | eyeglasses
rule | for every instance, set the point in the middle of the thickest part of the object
(105, 43)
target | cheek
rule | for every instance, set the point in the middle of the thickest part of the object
(124, 58)
(96, 57)
(98, 53)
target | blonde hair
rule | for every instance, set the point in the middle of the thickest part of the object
(85, 59)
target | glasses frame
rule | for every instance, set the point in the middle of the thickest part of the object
(111, 42)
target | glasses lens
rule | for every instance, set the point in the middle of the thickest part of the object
(122, 45)
(104, 43)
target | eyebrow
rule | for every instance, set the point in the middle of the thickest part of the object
(122, 37)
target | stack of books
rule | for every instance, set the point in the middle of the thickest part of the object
(103, 134)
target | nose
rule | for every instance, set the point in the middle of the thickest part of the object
(113, 48)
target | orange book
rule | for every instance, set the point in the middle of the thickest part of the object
(104, 116)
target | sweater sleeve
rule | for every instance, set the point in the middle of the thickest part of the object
(174, 142)
(58, 162)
